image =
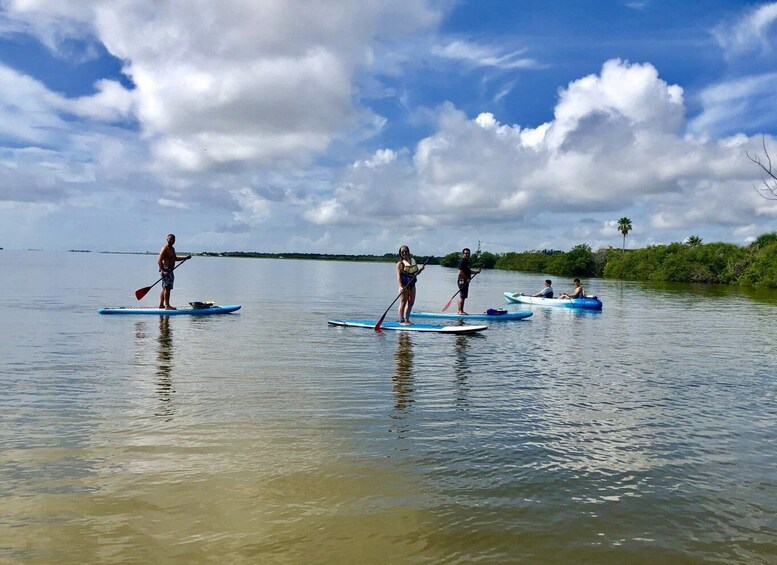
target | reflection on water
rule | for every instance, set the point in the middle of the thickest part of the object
(462, 370)
(164, 385)
(403, 381)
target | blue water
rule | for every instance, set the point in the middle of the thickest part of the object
(639, 434)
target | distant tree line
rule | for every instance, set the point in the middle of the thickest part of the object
(692, 262)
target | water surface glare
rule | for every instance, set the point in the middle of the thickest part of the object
(640, 434)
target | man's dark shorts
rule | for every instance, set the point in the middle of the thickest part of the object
(168, 278)
(464, 290)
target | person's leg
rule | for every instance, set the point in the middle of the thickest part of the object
(410, 302)
(463, 293)
(401, 308)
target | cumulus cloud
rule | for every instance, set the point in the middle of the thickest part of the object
(257, 111)
(233, 82)
(618, 140)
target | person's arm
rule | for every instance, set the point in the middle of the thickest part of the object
(186, 258)
(399, 276)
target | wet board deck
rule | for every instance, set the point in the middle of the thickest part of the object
(519, 315)
(370, 324)
(212, 310)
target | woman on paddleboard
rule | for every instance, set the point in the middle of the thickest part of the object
(407, 271)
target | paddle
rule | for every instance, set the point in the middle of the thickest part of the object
(415, 275)
(448, 305)
(141, 292)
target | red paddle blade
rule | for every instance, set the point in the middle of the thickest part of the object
(141, 292)
(448, 305)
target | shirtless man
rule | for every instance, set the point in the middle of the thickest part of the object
(577, 293)
(166, 262)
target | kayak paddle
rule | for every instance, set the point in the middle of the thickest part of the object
(413, 278)
(448, 305)
(141, 292)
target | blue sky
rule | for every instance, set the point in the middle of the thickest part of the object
(357, 126)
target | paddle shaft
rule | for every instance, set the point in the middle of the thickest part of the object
(448, 305)
(141, 292)
(411, 281)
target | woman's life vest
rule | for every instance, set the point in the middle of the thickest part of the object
(409, 267)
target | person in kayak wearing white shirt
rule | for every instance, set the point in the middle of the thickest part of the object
(546, 292)
(577, 293)
(166, 262)
(407, 270)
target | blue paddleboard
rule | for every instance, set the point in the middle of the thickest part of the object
(207, 311)
(500, 315)
(408, 328)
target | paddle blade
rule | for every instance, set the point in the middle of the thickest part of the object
(141, 292)
(448, 304)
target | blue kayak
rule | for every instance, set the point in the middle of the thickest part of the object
(588, 303)
(495, 315)
(466, 329)
(202, 311)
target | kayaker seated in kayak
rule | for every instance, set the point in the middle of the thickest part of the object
(577, 293)
(546, 292)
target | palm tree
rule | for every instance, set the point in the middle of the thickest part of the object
(624, 226)
(693, 241)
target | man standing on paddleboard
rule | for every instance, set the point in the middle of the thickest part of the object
(166, 262)
(465, 275)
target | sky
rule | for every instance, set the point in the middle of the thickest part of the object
(355, 126)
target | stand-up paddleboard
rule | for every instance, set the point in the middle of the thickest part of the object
(492, 314)
(408, 328)
(197, 311)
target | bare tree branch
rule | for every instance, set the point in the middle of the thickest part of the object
(769, 190)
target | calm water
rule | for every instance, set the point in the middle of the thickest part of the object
(645, 433)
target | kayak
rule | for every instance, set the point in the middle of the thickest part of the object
(588, 303)
(467, 329)
(200, 311)
(495, 315)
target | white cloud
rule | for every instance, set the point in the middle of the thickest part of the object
(254, 209)
(754, 31)
(617, 143)
(250, 114)
(484, 56)
(742, 102)
(273, 86)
